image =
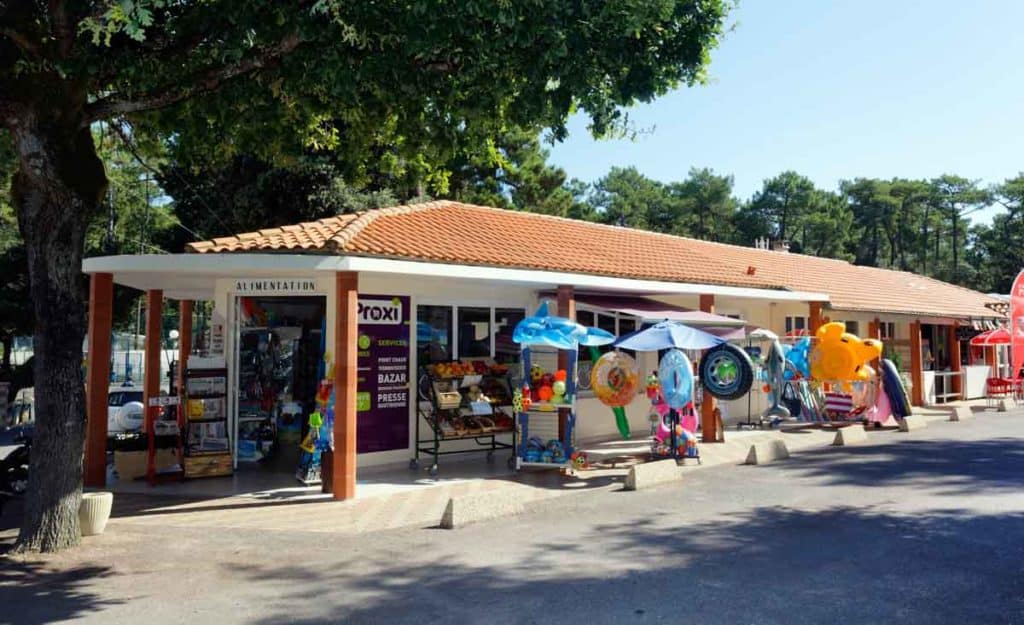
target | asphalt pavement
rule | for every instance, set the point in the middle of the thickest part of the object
(925, 527)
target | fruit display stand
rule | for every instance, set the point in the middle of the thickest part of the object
(530, 412)
(462, 401)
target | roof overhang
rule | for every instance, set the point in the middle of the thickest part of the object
(190, 276)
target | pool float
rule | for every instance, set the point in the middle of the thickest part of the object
(892, 384)
(615, 380)
(775, 368)
(544, 329)
(797, 358)
(726, 371)
(841, 355)
(676, 376)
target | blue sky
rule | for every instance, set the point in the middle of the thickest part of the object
(838, 90)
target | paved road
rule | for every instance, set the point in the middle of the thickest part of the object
(926, 527)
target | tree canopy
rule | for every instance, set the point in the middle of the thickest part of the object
(387, 85)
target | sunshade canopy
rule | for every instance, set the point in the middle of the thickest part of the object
(666, 335)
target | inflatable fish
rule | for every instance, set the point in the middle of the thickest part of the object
(775, 367)
(798, 357)
(559, 332)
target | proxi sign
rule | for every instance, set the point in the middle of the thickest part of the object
(380, 311)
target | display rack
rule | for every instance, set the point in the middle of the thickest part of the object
(521, 435)
(207, 438)
(446, 407)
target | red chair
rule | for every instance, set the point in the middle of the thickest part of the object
(997, 388)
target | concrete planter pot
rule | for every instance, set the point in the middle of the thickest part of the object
(94, 512)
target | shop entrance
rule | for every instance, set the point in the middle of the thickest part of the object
(279, 362)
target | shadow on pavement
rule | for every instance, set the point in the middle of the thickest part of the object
(772, 566)
(944, 466)
(31, 593)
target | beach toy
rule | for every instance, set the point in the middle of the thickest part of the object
(798, 358)
(841, 355)
(614, 380)
(558, 392)
(517, 400)
(676, 376)
(543, 329)
(653, 387)
(544, 393)
(726, 371)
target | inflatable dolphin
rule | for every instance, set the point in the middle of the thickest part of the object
(543, 329)
(775, 365)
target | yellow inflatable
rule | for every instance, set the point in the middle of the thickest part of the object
(840, 355)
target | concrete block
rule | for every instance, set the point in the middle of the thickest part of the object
(473, 507)
(961, 413)
(1006, 404)
(650, 474)
(912, 422)
(767, 451)
(850, 435)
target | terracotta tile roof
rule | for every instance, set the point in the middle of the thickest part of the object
(457, 233)
(452, 232)
(857, 288)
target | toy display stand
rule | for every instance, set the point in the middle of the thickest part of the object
(452, 416)
(174, 474)
(521, 436)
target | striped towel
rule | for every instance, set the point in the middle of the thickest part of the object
(839, 403)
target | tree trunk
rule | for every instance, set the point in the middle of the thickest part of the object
(58, 185)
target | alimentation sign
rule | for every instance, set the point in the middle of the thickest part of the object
(275, 286)
(382, 397)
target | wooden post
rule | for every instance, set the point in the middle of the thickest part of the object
(101, 310)
(954, 357)
(346, 333)
(154, 331)
(916, 374)
(874, 333)
(708, 421)
(566, 308)
(814, 320)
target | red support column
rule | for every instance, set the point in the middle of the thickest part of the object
(566, 308)
(814, 320)
(101, 311)
(346, 330)
(708, 420)
(916, 375)
(154, 331)
(873, 333)
(954, 357)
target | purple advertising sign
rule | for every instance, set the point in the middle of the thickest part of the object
(382, 397)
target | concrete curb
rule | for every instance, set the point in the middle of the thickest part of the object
(767, 451)
(472, 507)
(850, 435)
(650, 474)
(912, 422)
(961, 413)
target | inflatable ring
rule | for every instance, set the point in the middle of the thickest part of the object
(841, 355)
(676, 376)
(614, 379)
(726, 372)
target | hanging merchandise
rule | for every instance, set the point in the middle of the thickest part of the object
(614, 379)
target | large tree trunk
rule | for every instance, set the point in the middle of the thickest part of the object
(58, 185)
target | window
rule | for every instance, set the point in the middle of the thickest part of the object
(433, 334)
(616, 323)
(887, 330)
(796, 324)
(505, 320)
(474, 332)
(853, 327)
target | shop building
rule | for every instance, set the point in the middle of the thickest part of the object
(383, 293)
